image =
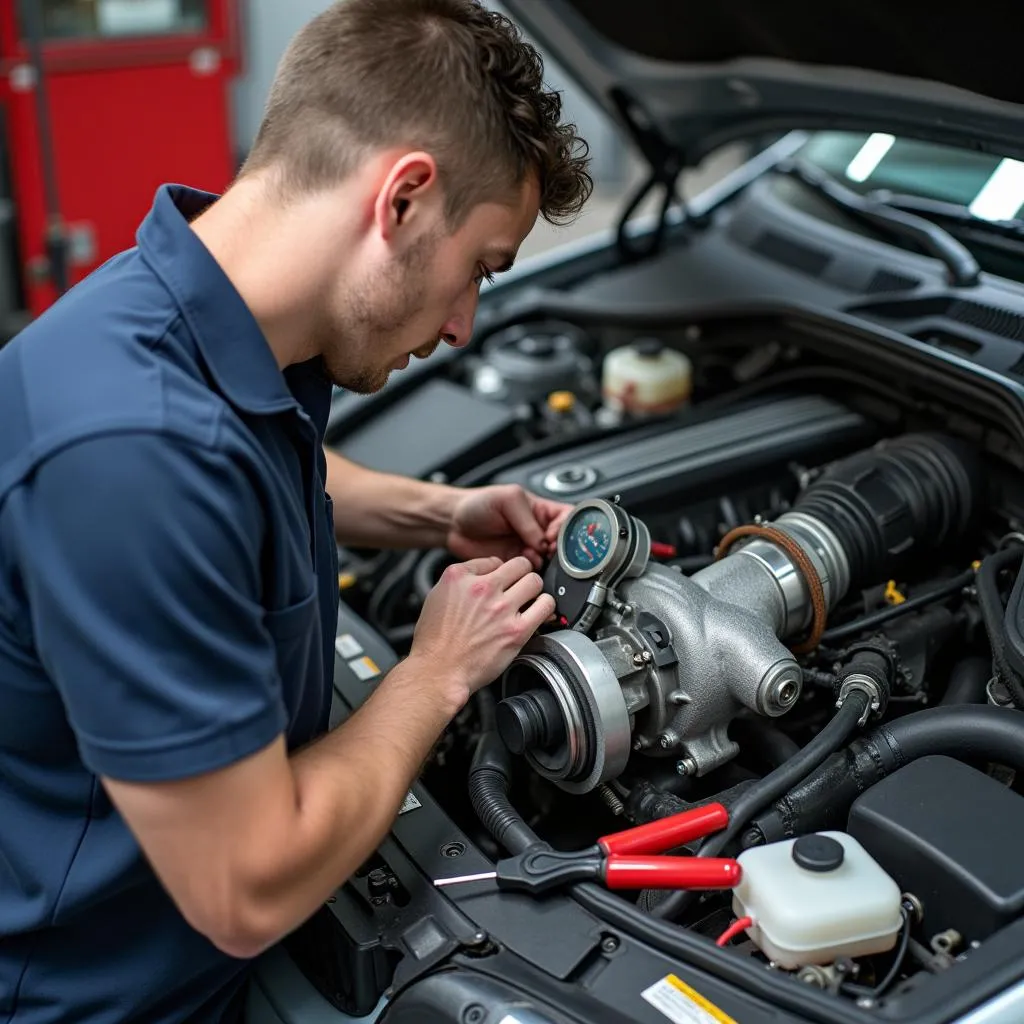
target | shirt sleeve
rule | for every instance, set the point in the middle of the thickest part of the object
(140, 557)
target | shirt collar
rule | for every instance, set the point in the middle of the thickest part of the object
(227, 334)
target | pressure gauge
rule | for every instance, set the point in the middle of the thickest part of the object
(599, 545)
(588, 542)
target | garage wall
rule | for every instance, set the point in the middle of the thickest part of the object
(269, 24)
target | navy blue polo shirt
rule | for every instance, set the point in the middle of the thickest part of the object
(168, 601)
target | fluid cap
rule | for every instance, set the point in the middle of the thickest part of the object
(561, 401)
(818, 853)
(537, 345)
(648, 348)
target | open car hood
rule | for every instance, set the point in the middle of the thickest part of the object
(685, 78)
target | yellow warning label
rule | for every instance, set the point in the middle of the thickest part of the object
(682, 1004)
(364, 668)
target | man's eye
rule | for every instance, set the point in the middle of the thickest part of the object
(483, 274)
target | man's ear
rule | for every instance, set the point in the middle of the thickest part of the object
(409, 188)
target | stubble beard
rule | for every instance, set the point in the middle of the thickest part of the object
(369, 317)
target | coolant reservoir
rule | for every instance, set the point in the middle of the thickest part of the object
(817, 898)
(646, 378)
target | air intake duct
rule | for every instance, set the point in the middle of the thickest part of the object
(889, 504)
(865, 519)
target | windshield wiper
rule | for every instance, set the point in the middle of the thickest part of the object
(964, 271)
(952, 212)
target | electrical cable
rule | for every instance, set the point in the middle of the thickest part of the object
(883, 615)
(736, 928)
(863, 991)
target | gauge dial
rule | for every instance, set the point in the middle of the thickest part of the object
(588, 540)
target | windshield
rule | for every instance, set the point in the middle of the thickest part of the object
(990, 187)
(976, 197)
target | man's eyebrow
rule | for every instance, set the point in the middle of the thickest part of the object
(500, 260)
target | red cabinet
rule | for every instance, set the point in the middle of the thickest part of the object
(137, 94)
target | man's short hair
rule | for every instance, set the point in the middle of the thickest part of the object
(447, 76)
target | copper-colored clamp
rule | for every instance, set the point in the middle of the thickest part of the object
(803, 564)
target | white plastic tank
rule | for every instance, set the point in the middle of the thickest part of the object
(817, 898)
(646, 378)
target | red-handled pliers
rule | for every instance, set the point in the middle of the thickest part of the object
(618, 860)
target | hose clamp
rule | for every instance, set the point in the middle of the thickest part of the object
(859, 682)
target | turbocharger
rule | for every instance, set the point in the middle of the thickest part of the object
(647, 660)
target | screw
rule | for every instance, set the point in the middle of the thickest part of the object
(332, 899)
(647, 657)
(611, 799)
(638, 658)
(474, 1014)
(686, 766)
(609, 944)
(665, 741)
(453, 850)
(561, 591)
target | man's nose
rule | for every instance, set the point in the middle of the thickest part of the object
(458, 329)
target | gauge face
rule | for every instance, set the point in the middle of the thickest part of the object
(588, 539)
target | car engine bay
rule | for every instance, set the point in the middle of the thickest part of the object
(790, 586)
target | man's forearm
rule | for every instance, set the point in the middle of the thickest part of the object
(381, 510)
(348, 789)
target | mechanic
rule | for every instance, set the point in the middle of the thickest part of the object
(169, 804)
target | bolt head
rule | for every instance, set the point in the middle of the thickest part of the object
(665, 742)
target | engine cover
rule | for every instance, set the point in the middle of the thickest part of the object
(700, 458)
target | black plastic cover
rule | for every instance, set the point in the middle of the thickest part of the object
(439, 426)
(949, 835)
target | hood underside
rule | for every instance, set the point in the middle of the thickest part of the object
(706, 74)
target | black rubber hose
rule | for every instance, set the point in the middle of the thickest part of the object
(912, 604)
(486, 708)
(490, 777)
(423, 576)
(993, 613)
(966, 732)
(772, 786)
(967, 681)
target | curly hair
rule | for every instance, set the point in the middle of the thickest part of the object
(447, 76)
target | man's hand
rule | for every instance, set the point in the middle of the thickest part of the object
(477, 619)
(504, 521)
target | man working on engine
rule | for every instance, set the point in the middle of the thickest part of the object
(169, 806)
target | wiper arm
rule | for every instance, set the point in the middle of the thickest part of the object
(963, 268)
(953, 212)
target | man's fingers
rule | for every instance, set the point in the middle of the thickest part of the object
(525, 590)
(512, 572)
(479, 566)
(538, 613)
(520, 515)
(535, 559)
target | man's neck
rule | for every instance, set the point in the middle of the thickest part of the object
(275, 257)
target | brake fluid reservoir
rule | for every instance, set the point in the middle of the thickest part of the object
(646, 378)
(817, 898)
